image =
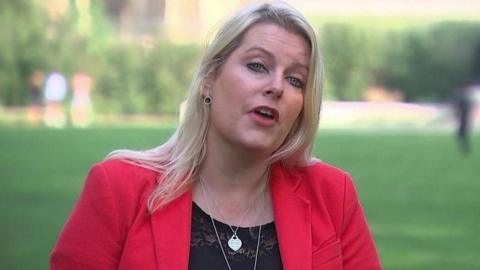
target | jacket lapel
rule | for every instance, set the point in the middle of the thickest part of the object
(171, 226)
(292, 220)
(171, 229)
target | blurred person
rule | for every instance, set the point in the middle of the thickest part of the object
(464, 107)
(54, 95)
(36, 98)
(236, 186)
(81, 110)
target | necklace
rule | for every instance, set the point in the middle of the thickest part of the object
(204, 188)
(234, 243)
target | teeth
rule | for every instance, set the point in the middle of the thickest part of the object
(266, 112)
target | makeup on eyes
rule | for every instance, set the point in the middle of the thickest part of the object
(257, 60)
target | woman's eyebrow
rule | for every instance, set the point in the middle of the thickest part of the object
(256, 48)
(270, 55)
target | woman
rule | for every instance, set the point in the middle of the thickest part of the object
(235, 187)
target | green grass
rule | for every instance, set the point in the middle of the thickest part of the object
(420, 195)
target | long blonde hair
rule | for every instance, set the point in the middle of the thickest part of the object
(179, 158)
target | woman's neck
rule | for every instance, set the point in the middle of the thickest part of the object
(227, 168)
(234, 181)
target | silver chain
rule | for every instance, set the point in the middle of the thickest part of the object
(234, 231)
(218, 236)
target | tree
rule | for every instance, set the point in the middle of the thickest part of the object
(350, 53)
(429, 63)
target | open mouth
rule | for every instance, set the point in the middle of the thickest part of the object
(266, 113)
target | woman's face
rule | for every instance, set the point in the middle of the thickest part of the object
(258, 92)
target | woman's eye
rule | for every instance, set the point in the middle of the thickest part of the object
(257, 67)
(296, 82)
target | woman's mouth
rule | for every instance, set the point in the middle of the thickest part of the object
(265, 112)
(265, 116)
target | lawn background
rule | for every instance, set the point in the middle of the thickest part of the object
(420, 194)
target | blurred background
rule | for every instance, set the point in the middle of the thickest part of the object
(80, 78)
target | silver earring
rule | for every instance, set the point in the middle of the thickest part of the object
(207, 100)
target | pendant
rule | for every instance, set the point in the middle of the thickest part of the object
(234, 243)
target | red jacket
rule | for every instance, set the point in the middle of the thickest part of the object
(319, 221)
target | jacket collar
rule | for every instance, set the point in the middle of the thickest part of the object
(171, 229)
(171, 225)
(292, 219)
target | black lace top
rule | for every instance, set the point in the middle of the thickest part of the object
(205, 252)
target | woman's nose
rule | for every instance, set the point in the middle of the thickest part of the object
(275, 87)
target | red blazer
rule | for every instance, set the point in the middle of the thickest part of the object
(319, 220)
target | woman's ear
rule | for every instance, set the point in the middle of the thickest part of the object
(208, 86)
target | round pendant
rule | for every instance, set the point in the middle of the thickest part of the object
(234, 243)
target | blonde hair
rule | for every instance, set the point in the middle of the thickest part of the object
(180, 157)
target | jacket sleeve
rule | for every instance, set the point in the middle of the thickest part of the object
(358, 248)
(91, 237)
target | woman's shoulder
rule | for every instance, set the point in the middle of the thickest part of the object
(329, 181)
(319, 171)
(123, 177)
(126, 170)
(330, 188)
(121, 167)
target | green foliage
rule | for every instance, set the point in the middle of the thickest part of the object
(31, 41)
(129, 77)
(429, 63)
(424, 62)
(22, 43)
(134, 79)
(349, 54)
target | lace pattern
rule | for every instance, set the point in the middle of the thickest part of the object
(204, 241)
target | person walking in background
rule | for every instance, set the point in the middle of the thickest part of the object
(54, 94)
(464, 106)
(81, 111)
(36, 98)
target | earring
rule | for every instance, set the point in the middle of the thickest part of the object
(207, 100)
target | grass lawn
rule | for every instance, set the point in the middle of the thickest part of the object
(420, 194)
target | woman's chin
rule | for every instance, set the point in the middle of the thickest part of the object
(261, 147)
